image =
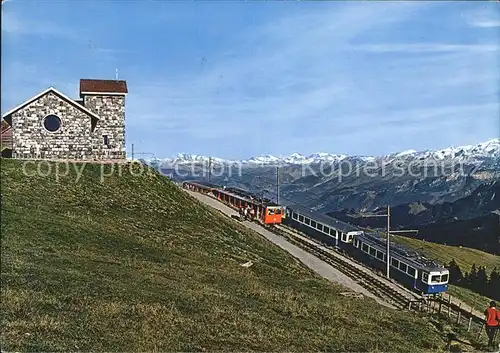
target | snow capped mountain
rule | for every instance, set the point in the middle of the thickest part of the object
(489, 150)
(471, 153)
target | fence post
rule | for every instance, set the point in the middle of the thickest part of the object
(470, 321)
(449, 306)
(409, 305)
(459, 313)
(440, 305)
(480, 332)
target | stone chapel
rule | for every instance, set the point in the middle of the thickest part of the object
(51, 125)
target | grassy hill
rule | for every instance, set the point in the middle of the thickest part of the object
(129, 262)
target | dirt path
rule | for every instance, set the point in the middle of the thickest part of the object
(317, 265)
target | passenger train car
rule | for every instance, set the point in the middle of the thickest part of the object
(406, 267)
(266, 211)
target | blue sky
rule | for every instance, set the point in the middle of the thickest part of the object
(236, 79)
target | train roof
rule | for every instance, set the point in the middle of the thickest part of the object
(205, 183)
(329, 221)
(238, 193)
(248, 195)
(409, 256)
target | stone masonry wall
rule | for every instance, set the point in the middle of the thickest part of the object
(111, 111)
(73, 140)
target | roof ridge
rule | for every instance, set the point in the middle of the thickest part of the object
(60, 94)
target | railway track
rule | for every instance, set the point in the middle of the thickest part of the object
(369, 281)
(390, 292)
(387, 290)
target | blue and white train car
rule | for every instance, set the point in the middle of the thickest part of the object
(406, 267)
(323, 228)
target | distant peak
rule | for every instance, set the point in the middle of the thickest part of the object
(487, 149)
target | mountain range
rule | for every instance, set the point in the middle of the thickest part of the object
(471, 153)
(439, 182)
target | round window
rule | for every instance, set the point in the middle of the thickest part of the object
(52, 123)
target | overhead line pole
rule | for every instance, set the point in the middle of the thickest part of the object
(277, 185)
(388, 239)
(388, 242)
(388, 215)
(209, 169)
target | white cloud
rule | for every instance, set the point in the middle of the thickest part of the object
(14, 25)
(301, 71)
(426, 47)
(486, 23)
(292, 59)
(484, 17)
(301, 82)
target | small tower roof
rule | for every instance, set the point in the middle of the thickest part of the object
(91, 86)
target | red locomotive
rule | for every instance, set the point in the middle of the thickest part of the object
(263, 211)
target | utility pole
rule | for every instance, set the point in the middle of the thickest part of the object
(132, 151)
(388, 243)
(209, 169)
(277, 185)
(388, 240)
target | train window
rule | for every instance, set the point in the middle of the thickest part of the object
(444, 278)
(364, 247)
(435, 279)
(307, 221)
(403, 267)
(380, 255)
(395, 263)
(411, 271)
(313, 224)
(278, 211)
(373, 251)
(295, 215)
(333, 232)
(319, 227)
(342, 236)
(326, 229)
(356, 243)
(425, 277)
(301, 218)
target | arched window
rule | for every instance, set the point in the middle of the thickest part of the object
(52, 123)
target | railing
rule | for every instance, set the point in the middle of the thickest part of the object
(458, 314)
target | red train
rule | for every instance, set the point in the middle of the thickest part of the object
(265, 211)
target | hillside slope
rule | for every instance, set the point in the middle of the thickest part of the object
(463, 256)
(471, 221)
(132, 263)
